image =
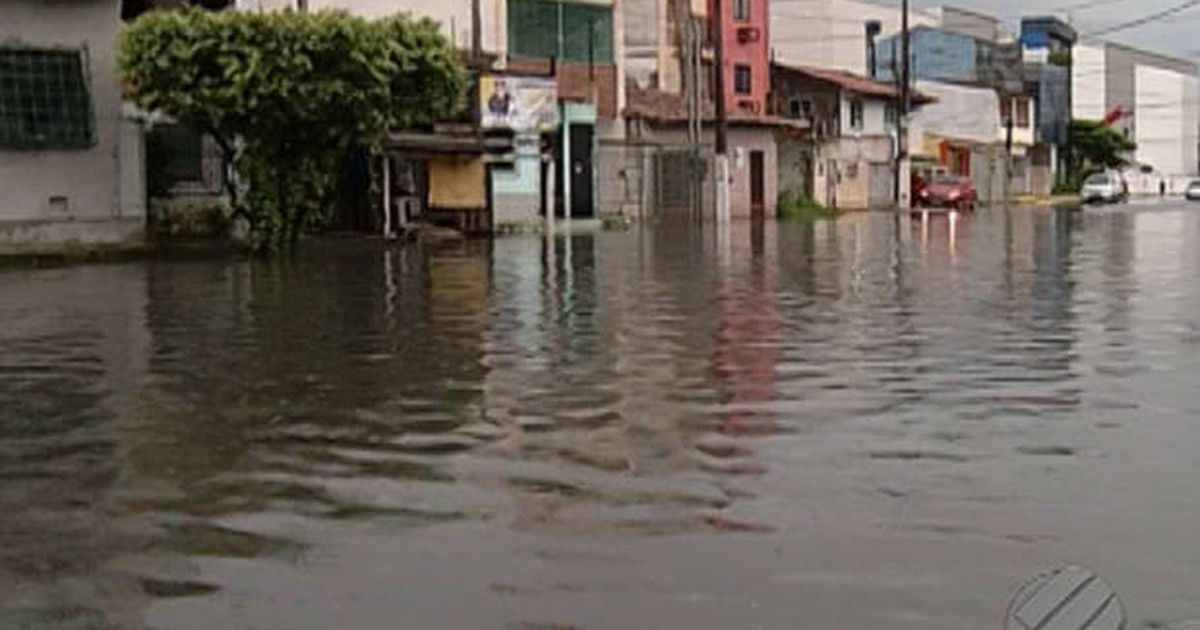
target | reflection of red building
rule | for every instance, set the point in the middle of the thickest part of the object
(748, 351)
(743, 24)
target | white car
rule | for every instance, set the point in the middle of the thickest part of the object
(1192, 192)
(1104, 188)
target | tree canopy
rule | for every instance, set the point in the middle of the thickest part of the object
(288, 94)
(1097, 146)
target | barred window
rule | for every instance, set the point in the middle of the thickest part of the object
(45, 101)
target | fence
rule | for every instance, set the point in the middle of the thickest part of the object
(649, 181)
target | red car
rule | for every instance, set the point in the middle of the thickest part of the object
(945, 190)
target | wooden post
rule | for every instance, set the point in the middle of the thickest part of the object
(387, 196)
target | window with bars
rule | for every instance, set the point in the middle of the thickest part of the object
(741, 10)
(741, 79)
(856, 114)
(566, 30)
(45, 101)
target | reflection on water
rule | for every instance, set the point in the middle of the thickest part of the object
(873, 422)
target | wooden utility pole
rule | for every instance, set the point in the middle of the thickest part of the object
(722, 122)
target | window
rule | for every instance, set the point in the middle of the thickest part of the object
(856, 114)
(1022, 107)
(741, 79)
(741, 10)
(806, 108)
(795, 108)
(560, 29)
(891, 116)
(44, 100)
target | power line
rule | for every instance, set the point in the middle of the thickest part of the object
(1092, 4)
(1153, 17)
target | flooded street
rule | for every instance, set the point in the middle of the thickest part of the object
(866, 423)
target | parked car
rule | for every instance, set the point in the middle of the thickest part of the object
(1106, 187)
(1192, 192)
(945, 190)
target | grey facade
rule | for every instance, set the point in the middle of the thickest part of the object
(90, 191)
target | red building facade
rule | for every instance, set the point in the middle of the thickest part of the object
(743, 24)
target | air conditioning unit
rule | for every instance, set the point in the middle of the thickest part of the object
(751, 106)
(747, 34)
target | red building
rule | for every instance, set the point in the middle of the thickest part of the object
(743, 24)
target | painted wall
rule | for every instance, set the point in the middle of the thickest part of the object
(755, 54)
(1165, 120)
(830, 33)
(874, 117)
(1089, 85)
(88, 178)
(457, 183)
(517, 190)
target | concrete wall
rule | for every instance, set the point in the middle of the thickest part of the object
(742, 141)
(88, 178)
(830, 33)
(1165, 120)
(845, 169)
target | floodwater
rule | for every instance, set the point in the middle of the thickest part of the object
(867, 423)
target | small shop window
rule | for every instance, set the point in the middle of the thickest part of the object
(741, 79)
(45, 100)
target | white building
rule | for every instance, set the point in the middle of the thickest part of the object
(832, 33)
(1157, 100)
(70, 165)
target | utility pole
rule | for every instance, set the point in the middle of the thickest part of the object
(476, 31)
(722, 122)
(902, 201)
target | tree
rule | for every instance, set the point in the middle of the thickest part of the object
(1097, 146)
(286, 96)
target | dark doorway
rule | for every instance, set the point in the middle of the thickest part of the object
(758, 203)
(581, 172)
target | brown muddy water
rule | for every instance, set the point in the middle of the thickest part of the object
(860, 424)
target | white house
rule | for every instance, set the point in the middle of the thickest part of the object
(71, 167)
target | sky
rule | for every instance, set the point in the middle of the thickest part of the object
(1178, 35)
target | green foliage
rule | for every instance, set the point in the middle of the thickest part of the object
(1097, 147)
(1060, 58)
(287, 95)
(793, 205)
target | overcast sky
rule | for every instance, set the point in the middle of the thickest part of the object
(1178, 35)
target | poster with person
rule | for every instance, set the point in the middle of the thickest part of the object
(518, 103)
